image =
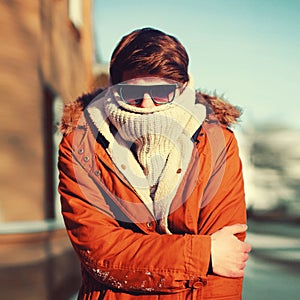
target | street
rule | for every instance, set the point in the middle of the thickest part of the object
(273, 270)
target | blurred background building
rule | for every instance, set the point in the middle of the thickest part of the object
(275, 158)
(47, 59)
(271, 157)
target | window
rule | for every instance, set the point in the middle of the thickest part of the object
(53, 106)
(75, 13)
(57, 107)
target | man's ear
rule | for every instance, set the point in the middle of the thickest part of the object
(189, 83)
(185, 85)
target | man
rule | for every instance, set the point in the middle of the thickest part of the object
(151, 181)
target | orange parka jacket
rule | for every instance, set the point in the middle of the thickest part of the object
(122, 254)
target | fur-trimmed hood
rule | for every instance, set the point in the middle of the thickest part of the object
(218, 110)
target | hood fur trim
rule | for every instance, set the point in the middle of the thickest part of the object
(218, 111)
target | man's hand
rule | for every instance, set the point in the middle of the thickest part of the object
(228, 253)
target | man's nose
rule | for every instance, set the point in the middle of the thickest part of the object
(147, 101)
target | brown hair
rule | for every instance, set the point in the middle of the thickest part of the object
(149, 51)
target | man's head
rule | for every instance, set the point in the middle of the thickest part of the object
(149, 52)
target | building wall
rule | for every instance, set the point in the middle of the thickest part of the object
(21, 133)
(46, 57)
(40, 49)
(66, 48)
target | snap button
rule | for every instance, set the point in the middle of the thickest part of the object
(86, 158)
(179, 171)
(149, 224)
(97, 172)
(123, 166)
(197, 285)
(80, 151)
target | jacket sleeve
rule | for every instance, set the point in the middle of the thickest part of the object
(223, 198)
(118, 257)
(223, 201)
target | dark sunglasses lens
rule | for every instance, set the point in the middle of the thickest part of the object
(131, 94)
(163, 93)
(160, 94)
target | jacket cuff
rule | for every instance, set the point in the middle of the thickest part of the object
(198, 255)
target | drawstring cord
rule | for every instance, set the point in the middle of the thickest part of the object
(197, 288)
(195, 294)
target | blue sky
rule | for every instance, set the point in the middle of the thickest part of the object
(248, 50)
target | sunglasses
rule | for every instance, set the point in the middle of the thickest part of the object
(134, 94)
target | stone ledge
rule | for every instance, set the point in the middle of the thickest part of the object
(28, 248)
(39, 265)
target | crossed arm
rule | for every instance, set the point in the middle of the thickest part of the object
(131, 260)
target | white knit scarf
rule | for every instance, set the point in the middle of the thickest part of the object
(162, 138)
(153, 134)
